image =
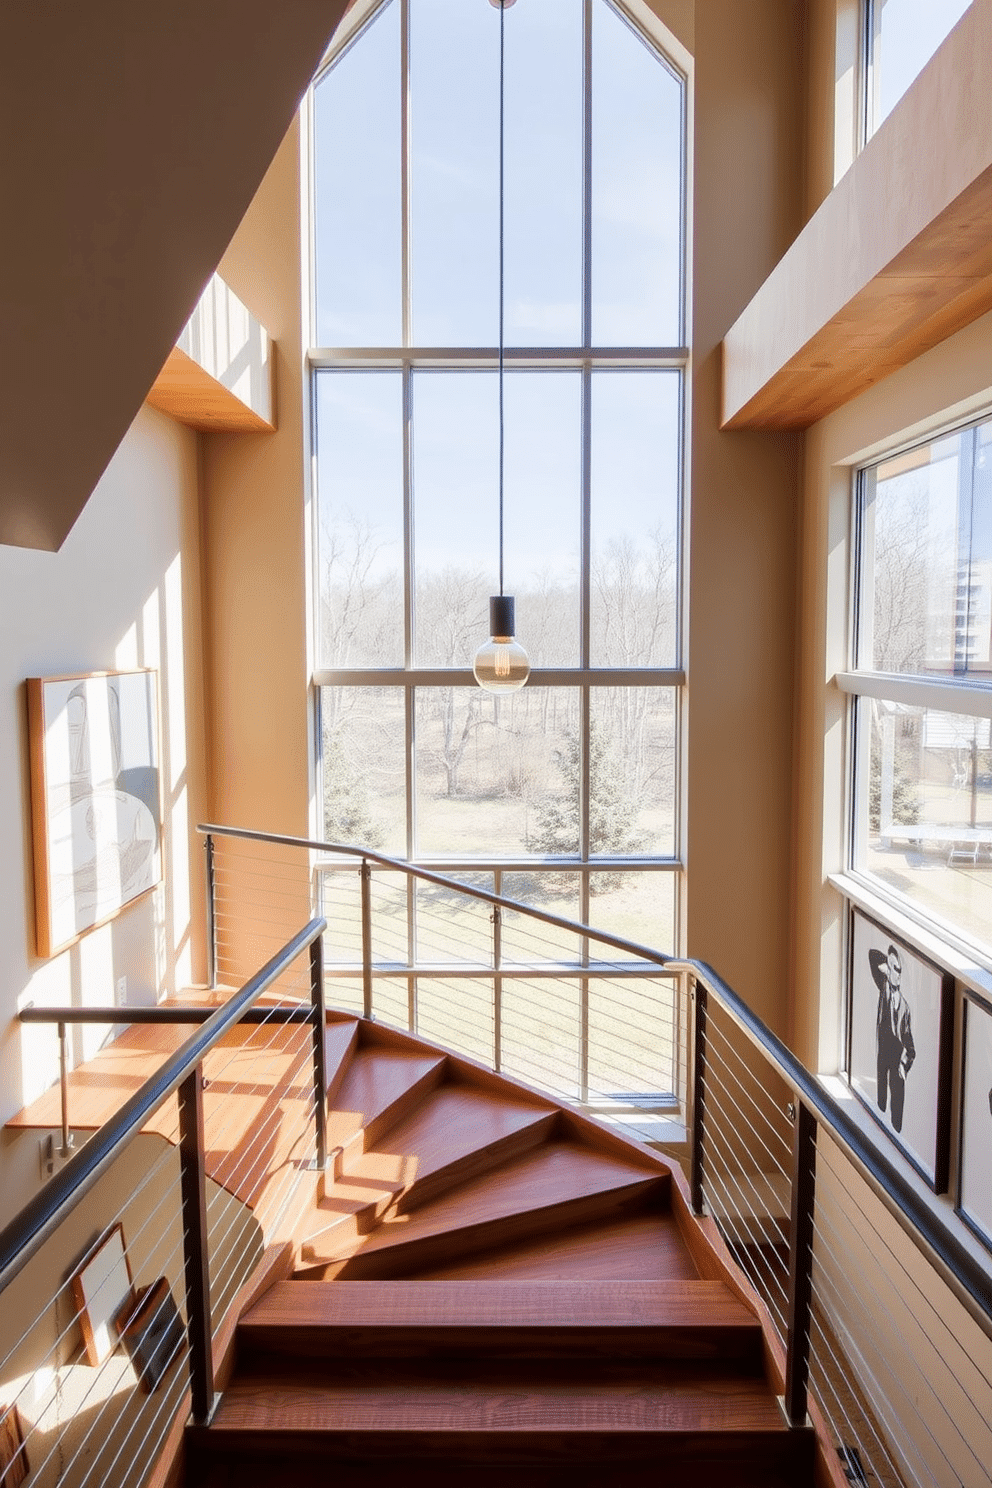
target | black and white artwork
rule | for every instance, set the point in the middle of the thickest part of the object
(899, 1049)
(95, 799)
(975, 1192)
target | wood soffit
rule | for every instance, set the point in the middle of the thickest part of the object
(186, 392)
(842, 310)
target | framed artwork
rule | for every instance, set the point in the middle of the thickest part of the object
(95, 806)
(975, 1174)
(154, 1334)
(103, 1294)
(900, 1044)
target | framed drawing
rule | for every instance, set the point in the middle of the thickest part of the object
(900, 1044)
(103, 1294)
(974, 1186)
(95, 808)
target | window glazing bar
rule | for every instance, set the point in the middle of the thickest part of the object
(540, 677)
(971, 698)
(488, 356)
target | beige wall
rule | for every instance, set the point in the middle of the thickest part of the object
(749, 100)
(122, 592)
(951, 382)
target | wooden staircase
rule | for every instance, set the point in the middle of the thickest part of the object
(493, 1289)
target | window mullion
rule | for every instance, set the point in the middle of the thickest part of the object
(406, 171)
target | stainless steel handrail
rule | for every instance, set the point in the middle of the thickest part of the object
(964, 1274)
(629, 947)
(41, 1217)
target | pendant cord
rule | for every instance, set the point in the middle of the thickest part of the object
(502, 10)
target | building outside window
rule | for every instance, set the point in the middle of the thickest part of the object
(922, 829)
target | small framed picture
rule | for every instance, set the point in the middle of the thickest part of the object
(900, 1044)
(104, 1294)
(975, 1171)
(153, 1335)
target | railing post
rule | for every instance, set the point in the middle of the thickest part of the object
(319, 1068)
(208, 848)
(698, 1095)
(64, 1091)
(367, 937)
(497, 920)
(800, 1264)
(194, 1203)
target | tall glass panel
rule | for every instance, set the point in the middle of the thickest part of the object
(495, 775)
(632, 732)
(928, 833)
(359, 447)
(454, 192)
(456, 504)
(926, 602)
(906, 33)
(543, 196)
(542, 1033)
(636, 189)
(456, 522)
(363, 734)
(357, 191)
(452, 926)
(635, 518)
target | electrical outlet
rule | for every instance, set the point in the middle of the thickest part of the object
(120, 996)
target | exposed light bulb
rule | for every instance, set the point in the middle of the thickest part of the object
(501, 665)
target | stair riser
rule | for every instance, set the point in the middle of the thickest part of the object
(474, 1164)
(266, 1347)
(320, 1472)
(785, 1452)
(340, 1236)
(403, 1257)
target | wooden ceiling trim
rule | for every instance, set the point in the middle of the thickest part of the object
(898, 258)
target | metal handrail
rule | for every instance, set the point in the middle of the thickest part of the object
(967, 1278)
(40, 1218)
(629, 947)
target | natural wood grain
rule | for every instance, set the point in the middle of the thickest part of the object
(897, 258)
(379, 1087)
(187, 392)
(349, 1320)
(645, 1247)
(557, 1185)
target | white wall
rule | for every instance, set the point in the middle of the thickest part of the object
(122, 592)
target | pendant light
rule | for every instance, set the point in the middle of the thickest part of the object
(501, 665)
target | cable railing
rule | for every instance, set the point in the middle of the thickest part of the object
(879, 1318)
(120, 1280)
(481, 962)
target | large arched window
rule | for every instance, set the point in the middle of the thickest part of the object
(567, 793)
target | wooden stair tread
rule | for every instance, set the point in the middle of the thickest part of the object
(647, 1247)
(668, 1399)
(454, 1135)
(546, 1182)
(346, 1320)
(340, 1038)
(378, 1087)
(568, 1304)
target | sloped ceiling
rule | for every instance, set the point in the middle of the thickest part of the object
(134, 137)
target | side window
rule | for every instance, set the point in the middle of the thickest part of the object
(923, 609)
(902, 36)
